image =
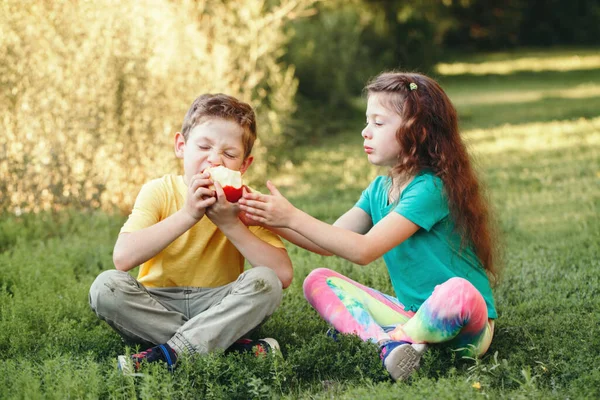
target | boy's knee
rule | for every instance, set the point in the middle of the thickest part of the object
(105, 290)
(264, 281)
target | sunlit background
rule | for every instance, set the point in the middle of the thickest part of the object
(92, 92)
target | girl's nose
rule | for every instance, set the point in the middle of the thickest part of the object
(366, 134)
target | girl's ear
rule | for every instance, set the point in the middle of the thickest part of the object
(246, 164)
(179, 145)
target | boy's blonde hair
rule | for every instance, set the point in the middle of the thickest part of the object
(226, 107)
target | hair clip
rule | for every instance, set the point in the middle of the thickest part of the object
(413, 86)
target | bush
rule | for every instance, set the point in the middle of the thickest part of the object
(344, 44)
(92, 92)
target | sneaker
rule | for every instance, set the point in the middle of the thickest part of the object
(401, 359)
(132, 364)
(258, 347)
(333, 334)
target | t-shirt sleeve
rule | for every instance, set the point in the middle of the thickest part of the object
(147, 209)
(267, 236)
(364, 202)
(424, 202)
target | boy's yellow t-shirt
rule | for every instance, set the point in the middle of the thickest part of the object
(200, 257)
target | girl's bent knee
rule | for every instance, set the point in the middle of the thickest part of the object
(314, 280)
(316, 275)
(458, 281)
(456, 285)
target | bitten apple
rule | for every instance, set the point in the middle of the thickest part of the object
(230, 180)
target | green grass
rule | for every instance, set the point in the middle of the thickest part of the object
(540, 158)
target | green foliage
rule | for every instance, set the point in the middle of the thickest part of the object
(544, 24)
(92, 93)
(336, 50)
(331, 37)
(501, 24)
(542, 174)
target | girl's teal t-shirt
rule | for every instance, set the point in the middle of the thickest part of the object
(433, 254)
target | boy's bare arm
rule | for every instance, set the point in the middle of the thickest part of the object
(135, 248)
(258, 252)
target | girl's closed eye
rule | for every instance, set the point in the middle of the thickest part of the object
(376, 123)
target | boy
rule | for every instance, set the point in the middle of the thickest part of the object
(192, 294)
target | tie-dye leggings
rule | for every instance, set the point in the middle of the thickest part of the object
(455, 312)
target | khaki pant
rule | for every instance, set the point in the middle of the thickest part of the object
(189, 319)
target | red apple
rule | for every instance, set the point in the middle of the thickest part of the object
(230, 180)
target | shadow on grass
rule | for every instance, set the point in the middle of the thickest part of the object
(485, 101)
(544, 110)
(520, 80)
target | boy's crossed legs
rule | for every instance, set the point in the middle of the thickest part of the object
(189, 320)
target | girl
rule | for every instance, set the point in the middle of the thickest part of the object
(427, 218)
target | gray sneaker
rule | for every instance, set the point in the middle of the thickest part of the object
(401, 359)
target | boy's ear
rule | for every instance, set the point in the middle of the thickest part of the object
(246, 163)
(179, 145)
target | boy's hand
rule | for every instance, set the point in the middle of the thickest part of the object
(272, 210)
(222, 213)
(199, 196)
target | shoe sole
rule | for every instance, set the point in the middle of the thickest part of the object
(402, 362)
(272, 343)
(125, 365)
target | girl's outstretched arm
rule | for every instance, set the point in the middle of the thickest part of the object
(354, 219)
(285, 233)
(351, 239)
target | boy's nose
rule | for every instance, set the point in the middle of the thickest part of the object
(214, 159)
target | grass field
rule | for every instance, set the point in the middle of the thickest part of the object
(535, 135)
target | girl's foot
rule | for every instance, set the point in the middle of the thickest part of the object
(401, 359)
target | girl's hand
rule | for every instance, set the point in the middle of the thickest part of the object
(243, 216)
(271, 210)
(222, 213)
(246, 220)
(199, 196)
